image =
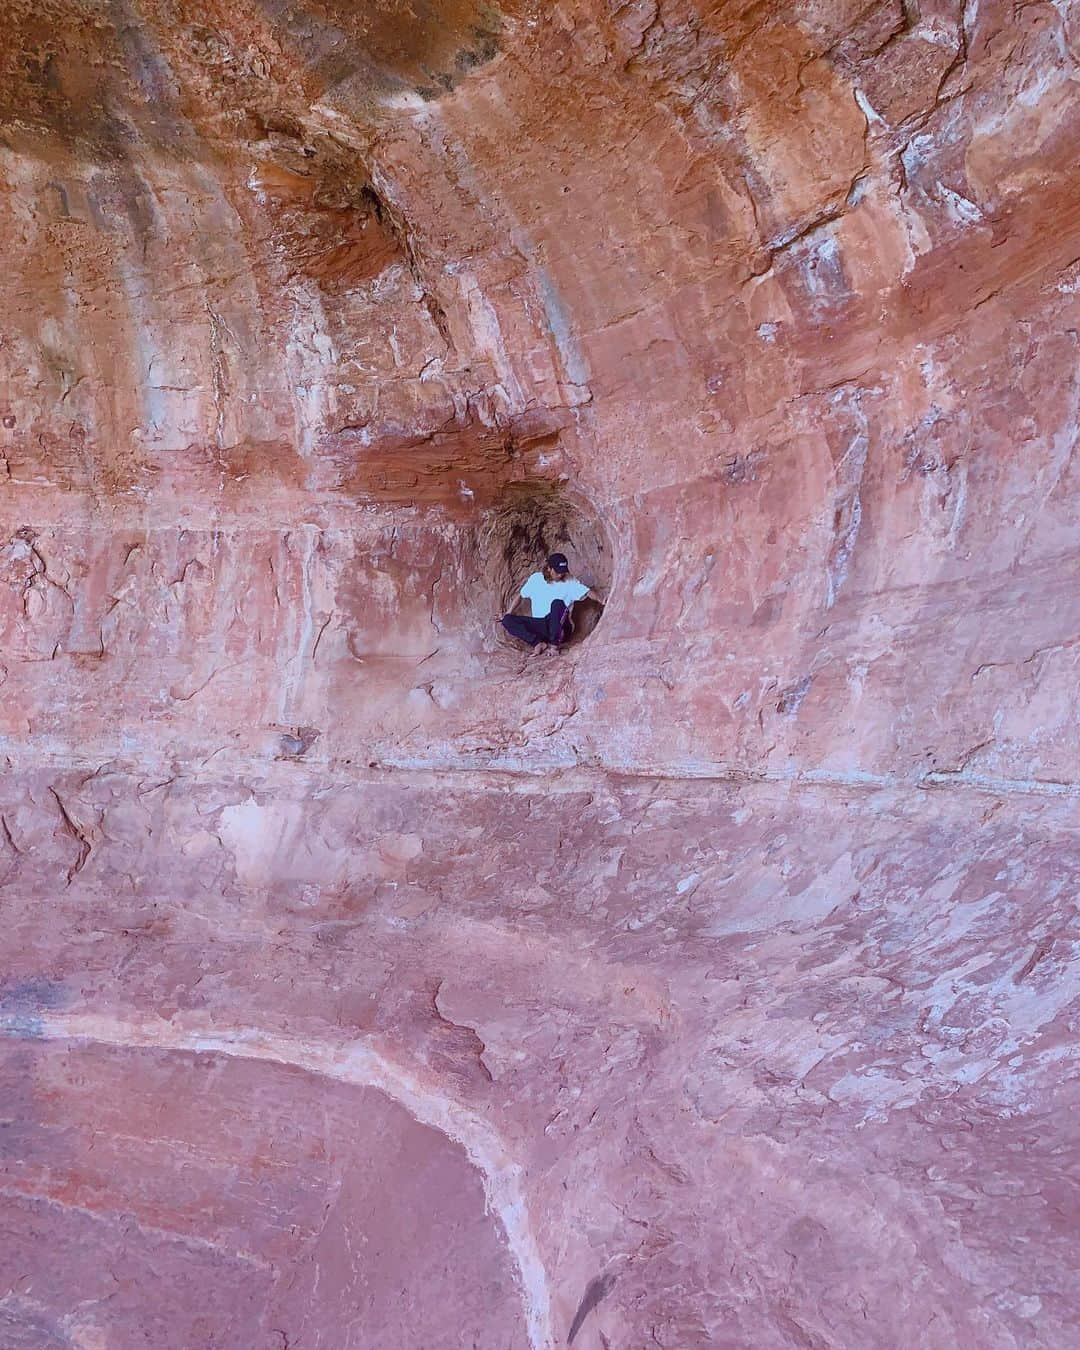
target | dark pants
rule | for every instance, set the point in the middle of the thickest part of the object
(533, 631)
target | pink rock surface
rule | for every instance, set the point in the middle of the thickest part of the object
(369, 984)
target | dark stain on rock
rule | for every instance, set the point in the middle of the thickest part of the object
(23, 1003)
(93, 76)
(595, 1292)
(791, 699)
(296, 744)
(32, 995)
(389, 48)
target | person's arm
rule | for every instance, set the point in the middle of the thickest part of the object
(587, 592)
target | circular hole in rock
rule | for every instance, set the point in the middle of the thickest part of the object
(530, 522)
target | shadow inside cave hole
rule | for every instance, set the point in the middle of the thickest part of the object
(517, 535)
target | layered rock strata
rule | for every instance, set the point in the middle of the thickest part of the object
(367, 983)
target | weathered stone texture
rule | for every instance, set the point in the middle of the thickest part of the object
(367, 984)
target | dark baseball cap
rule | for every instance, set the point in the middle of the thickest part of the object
(557, 562)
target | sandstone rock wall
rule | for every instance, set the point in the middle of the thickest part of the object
(366, 984)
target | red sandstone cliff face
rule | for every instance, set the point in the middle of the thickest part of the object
(368, 985)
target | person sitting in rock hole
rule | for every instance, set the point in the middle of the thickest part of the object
(550, 593)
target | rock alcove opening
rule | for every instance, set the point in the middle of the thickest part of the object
(529, 523)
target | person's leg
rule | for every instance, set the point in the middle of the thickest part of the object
(554, 622)
(524, 629)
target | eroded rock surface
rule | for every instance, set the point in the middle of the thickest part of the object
(368, 984)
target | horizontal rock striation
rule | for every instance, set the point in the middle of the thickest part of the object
(367, 983)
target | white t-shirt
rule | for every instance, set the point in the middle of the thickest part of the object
(542, 593)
